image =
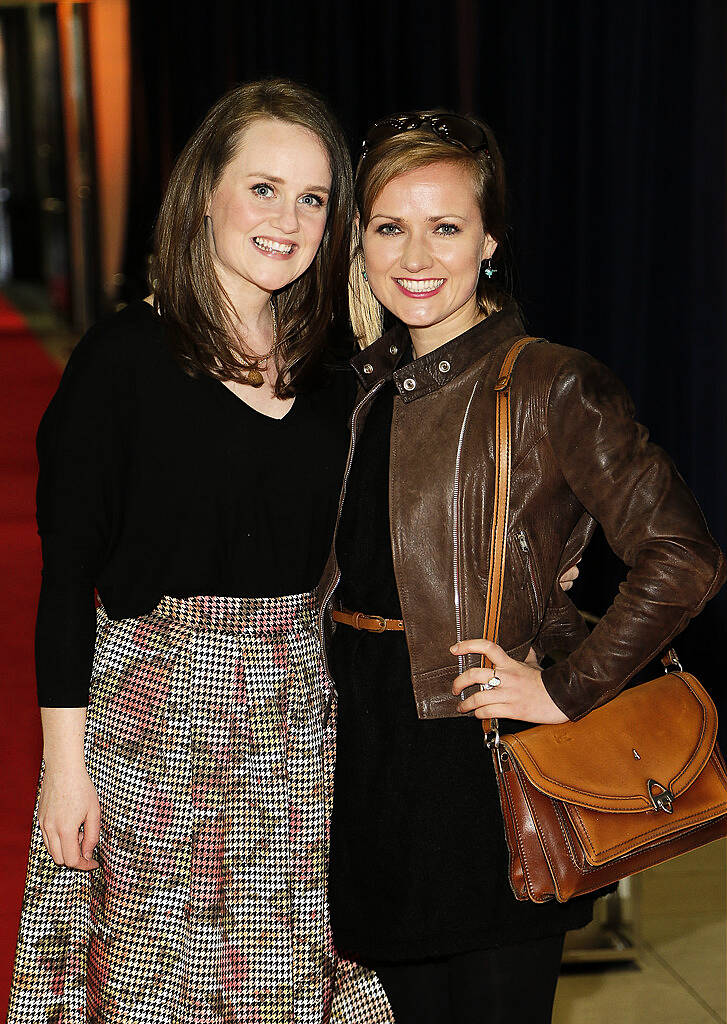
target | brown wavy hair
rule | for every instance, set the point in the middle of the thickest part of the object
(395, 156)
(187, 292)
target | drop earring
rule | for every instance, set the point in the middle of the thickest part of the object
(365, 276)
(490, 271)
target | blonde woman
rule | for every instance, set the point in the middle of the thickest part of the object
(418, 883)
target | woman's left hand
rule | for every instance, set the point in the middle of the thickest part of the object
(520, 694)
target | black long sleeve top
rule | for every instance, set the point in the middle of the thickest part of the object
(155, 483)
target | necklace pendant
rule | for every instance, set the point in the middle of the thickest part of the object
(253, 376)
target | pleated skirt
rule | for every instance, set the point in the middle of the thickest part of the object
(212, 753)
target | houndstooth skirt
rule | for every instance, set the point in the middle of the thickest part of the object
(206, 742)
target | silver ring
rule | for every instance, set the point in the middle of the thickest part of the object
(493, 682)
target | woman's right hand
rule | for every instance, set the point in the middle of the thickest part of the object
(68, 800)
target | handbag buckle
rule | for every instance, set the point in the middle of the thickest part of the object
(671, 662)
(663, 800)
(492, 736)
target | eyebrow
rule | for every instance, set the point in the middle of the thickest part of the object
(281, 181)
(441, 216)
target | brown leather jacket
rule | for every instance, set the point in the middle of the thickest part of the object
(578, 457)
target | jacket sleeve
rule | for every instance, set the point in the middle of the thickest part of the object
(563, 628)
(651, 521)
(76, 455)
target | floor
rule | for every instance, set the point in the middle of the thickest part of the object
(54, 335)
(28, 379)
(680, 977)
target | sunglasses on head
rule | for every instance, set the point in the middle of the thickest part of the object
(452, 128)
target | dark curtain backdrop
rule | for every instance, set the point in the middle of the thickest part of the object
(612, 118)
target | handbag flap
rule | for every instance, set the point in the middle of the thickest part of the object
(643, 748)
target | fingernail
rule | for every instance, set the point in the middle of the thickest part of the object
(454, 647)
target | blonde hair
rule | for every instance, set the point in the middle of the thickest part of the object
(395, 156)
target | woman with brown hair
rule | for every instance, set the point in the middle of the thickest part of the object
(190, 465)
(418, 883)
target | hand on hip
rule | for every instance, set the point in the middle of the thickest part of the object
(513, 690)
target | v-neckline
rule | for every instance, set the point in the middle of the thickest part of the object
(241, 401)
(257, 412)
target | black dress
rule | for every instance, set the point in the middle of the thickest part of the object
(418, 856)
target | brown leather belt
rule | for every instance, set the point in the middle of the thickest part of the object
(373, 623)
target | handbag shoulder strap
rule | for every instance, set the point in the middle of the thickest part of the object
(498, 534)
(500, 516)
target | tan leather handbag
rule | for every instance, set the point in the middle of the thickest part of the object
(630, 785)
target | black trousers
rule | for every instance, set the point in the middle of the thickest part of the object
(511, 985)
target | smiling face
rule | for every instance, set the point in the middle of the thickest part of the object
(423, 247)
(267, 215)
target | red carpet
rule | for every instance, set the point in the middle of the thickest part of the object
(28, 378)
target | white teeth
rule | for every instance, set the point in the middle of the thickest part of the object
(420, 286)
(267, 245)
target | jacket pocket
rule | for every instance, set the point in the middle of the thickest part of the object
(528, 581)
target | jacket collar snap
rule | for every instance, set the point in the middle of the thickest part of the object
(435, 369)
(378, 361)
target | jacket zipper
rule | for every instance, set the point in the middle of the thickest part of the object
(337, 578)
(521, 538)
(457, 529)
